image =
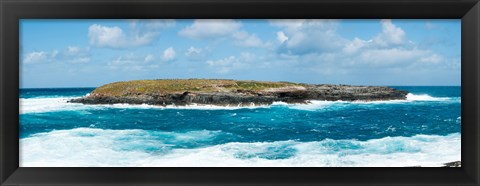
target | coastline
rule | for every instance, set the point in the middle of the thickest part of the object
(231, 92)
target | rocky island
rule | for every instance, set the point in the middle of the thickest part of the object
(221, 92)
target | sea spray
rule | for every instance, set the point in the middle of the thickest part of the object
(84, 147)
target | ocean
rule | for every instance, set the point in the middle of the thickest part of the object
(422, 130)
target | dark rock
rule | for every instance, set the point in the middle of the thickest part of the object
(248, 97)
(453, 164)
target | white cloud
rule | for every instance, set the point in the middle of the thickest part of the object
(54, 53)
(142, 32)
(152, 24)
(149, 58)
(289, 24)
(142, 39)
(247, 40)
(222, 29)
(319, 38)
(434, 58)
(192, 51)
(73, 49)
(124, 60)
(123, 64)
(391, 34)
(225, 65)
(103, 36)
(314, 45)
(132, 62)
(309, 36)
(71, 54)
(393, 56)
(168, 54)
(80, 60)
(355, 45)
(35, 57)
(74, 54)
(281, 37)
(208, 29)
(231, 63)
(196, 54)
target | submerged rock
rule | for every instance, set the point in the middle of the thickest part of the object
(453, 164)
(231, 92)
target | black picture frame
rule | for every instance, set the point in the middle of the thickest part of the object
(11, 11)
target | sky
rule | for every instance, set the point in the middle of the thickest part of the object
(90, 53)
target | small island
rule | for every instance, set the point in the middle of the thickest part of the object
(223, 92)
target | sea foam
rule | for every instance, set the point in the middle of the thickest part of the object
(87, 147)
(425, 97)
(40, 105)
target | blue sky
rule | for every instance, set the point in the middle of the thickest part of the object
(90, 53)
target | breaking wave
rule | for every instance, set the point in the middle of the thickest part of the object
(40, 105)
(84, 147)
(426, 97)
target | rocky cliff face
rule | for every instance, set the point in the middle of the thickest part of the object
(238, 96)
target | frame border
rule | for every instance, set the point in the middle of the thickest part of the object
(11, 11)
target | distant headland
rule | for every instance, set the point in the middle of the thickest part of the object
(223, 92)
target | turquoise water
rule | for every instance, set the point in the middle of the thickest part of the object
(422, 130)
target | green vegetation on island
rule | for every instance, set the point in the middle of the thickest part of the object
(163, 86)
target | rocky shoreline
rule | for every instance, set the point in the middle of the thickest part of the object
(449, 164)
(453, 164)
(232, 93)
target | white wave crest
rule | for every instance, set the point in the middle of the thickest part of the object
(311, 105)
(39, 105)
(425, 97)
(85, 147)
